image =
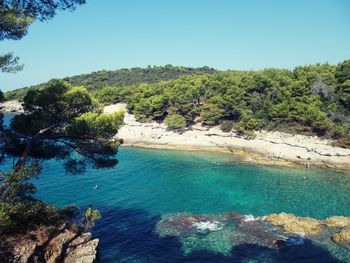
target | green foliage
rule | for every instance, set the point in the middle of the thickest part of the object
(344, 93)
(175, 121)
(96, 81)
(227, 126)
(20, 187)
(339, 131)
(211, 114)
(107, 95)
(16, 16)
(94, 124)
(90, 217)
(14, 22)
(59, 121)
(313, 99)
(2, 98)
(247, 123)
(9, 63)
(28, 214)
(308, 99)
(342, 73)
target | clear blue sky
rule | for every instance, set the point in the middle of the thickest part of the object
(224, 34)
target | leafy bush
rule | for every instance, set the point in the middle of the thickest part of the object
(107, 95)
(175, 121)
(28, 214)
(227, 126)
(211, 114)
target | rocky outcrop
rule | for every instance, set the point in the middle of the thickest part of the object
(82, 250)
(296, 225)
(337, 221)
(343, 236)
(231, 233)
(26, 247)
(12, 106)
(62, 245)
(56, 245)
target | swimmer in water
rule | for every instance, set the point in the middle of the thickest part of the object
(95, 187)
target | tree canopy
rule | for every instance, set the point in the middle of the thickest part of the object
(17, 15)
(313, 99)
(110, 80)
(57, 122)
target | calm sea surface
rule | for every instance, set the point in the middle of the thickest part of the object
(148, 184)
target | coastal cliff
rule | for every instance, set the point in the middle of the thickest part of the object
(268, 148)
(45, 244)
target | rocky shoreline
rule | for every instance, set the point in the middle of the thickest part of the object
(278, 234)
(11, 106)
(53, 244)
(267, 148)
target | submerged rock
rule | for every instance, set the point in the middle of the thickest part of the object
(296, 225)
(343, 236)
(278, 234)
(185, 223)
(337, 221)
(220, 233)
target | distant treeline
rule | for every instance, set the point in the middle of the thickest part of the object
(120, 77)
(313, 99)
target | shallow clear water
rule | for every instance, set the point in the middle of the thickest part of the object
(147, 184)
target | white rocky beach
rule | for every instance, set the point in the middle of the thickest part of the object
(270, 148)
(11, 106)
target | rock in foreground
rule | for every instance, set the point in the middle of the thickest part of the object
(64, 245)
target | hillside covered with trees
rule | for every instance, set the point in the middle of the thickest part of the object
(120, 77)
(313, 99)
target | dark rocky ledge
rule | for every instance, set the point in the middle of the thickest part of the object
(58, 245)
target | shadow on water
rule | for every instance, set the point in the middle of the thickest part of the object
(128, 235)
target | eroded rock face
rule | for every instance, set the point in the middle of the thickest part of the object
(54, 249)
(296, 225)
(82, 250)
(337, 221)
(343, 236)
(64, 245)
(25, 248)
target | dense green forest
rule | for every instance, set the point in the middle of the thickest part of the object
(313, 99)
(120, 77)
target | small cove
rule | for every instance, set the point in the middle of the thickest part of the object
(148, 184)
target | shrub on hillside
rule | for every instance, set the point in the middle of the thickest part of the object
(175, 121)
(226, 126)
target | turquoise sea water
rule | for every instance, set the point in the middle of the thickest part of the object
(147, 185)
